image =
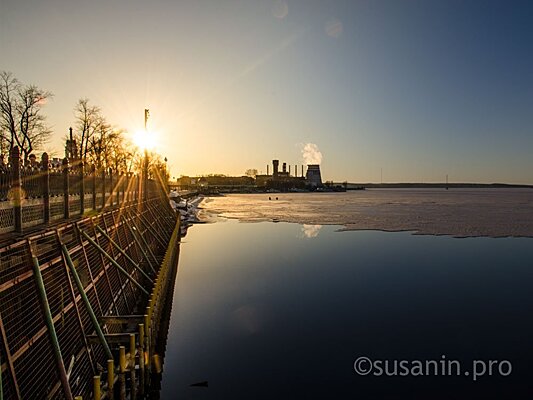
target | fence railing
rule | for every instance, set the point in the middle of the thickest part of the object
(81, 305)
(42, 192)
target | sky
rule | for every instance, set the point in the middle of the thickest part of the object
(416, 89)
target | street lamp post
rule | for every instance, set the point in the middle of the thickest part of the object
(145, 167)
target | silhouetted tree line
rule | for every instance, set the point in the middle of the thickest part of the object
(97, 142)
(100, 143)
(22, 122)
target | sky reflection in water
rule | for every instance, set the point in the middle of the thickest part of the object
(265, 310)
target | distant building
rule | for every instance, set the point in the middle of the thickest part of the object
(313, 176)
(221, 180)
(280, 180)
(262, 180)
(71, 148)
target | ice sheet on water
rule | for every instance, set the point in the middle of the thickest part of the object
(459, 212)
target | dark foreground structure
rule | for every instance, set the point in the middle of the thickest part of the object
(84, 305)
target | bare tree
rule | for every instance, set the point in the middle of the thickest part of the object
(252, 172)
(157, 168)
(99, 142)
(108, 148)
(120, 153)
(21, 120)
(88, 121)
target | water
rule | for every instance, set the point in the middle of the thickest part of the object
(278, 310)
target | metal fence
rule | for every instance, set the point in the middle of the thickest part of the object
(41, 192)
(117, 267)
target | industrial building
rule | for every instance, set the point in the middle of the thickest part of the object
(280, 180)
(284, 180)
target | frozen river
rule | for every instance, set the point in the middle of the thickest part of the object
(457, 212)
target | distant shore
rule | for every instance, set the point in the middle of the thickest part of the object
(406, 185)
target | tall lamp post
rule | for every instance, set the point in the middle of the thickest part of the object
(145, 168)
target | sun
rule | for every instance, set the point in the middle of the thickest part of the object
(145, 140)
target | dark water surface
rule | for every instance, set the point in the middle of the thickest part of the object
(266, 310)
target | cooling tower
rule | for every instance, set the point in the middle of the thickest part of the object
(313, 177)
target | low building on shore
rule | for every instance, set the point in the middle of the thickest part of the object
(282, 180)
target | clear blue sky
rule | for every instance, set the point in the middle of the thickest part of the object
(419, 88)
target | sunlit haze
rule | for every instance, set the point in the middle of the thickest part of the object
(145, 140)
(415, 89)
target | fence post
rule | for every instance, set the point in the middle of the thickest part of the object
(17, 188)
(103, 188)
(93, 177)
(66, 209)
(82, 187)
(111, 198)
(139, 188)
(145, 177)
(120, 185)
(135, 188)
(138, 185)
(131, 187)
(46, 187)
(123, 186)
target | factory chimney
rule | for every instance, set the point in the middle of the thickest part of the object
(267, 169)
(289, 170)
(284, 167)
(275, 164)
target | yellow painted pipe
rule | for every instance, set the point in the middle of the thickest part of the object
(97, 395)
(141, 358)
(157, 363)
(141, 336)
(147, 338)
(122, 359)
(132, 351)
(150, 308)
(110, 378)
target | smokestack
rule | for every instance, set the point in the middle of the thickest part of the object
(275, 164)
(289, 170)
(295, 171)
(302, 171)
(267, 168)
(284, 167)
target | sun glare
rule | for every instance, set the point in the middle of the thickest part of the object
(144, 140)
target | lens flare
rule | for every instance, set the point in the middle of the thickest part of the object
(145, 140)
